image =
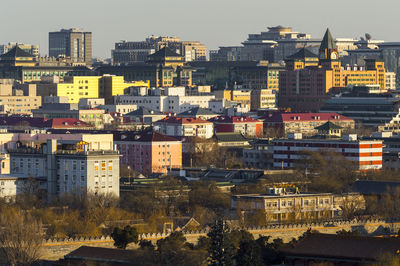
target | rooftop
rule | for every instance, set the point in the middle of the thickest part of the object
(303, 117)
(333, 247)
(182, 120)
(233, 119)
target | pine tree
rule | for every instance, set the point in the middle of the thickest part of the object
(222, 250)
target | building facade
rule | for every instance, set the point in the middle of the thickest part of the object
(303, 88)
(74, 43)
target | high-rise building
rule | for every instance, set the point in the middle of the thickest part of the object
(73, 43)
(126, 52)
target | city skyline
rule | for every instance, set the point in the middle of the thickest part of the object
(207, 23)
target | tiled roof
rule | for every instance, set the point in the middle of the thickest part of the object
(304, 117)
(302, 53)
(42, 122)
(142, 137)
(342, 247)
(233, 119)
(111, 255)
(182, 120)
(328, 126)
(165, 52)
(16, 52)
(65, 123)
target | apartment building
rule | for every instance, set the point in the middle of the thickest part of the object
(365, 154)
(244, 125)
(18, 99)
(177, 126)
(149, 152)
(305, 123)
(68, 166)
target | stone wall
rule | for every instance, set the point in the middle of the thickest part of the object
(54, 249)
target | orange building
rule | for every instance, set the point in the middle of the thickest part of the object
(305, 85)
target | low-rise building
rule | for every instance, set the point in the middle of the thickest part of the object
(241, 124)
(176, 126)
(198, 112)
(144, 116)
(365, 154)
(282, 204)
(260, 155)
(305, 123)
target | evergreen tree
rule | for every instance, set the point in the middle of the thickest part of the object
(249, 254)
(222, 250)
(122, 237)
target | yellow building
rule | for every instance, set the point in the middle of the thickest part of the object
(79, 87)
(304, 86)
(76, 88)
(242, 96)
(115, 85)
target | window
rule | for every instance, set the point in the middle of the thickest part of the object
(275, 204)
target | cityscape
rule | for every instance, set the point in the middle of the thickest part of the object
(281, 150)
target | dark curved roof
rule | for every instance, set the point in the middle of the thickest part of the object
(302, 54)
(328, 126)
(165, 52)
(16, 52)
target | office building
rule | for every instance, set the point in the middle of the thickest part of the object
(126, 52)
(305, 88)
(74, 43)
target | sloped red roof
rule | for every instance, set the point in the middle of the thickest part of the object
(233, 119)
(182, 120)
(304, 117)
(65, 123)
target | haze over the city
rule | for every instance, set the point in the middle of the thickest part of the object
(214, 23)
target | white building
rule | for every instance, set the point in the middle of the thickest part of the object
(174, 104)
(68, 166)
(180, 126)
(118, 108)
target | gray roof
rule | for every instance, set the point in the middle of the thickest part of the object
(229, 137)
(375, 187)
(142, 111)
(302, 54)
(327, 42)
(197, 111)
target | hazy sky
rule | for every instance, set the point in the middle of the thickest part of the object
(213, 22)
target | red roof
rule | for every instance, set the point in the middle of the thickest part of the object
(233, 119)
(304, 117)
(182, 120)
(65, 123)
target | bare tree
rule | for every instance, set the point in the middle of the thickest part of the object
(20, 238)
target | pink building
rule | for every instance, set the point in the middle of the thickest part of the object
(150, 152)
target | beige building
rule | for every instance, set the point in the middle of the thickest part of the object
(286, 205)
(18, 99)
(263, 99)
(94, 117)
(390, 81)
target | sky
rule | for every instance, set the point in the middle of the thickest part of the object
(212, 22)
